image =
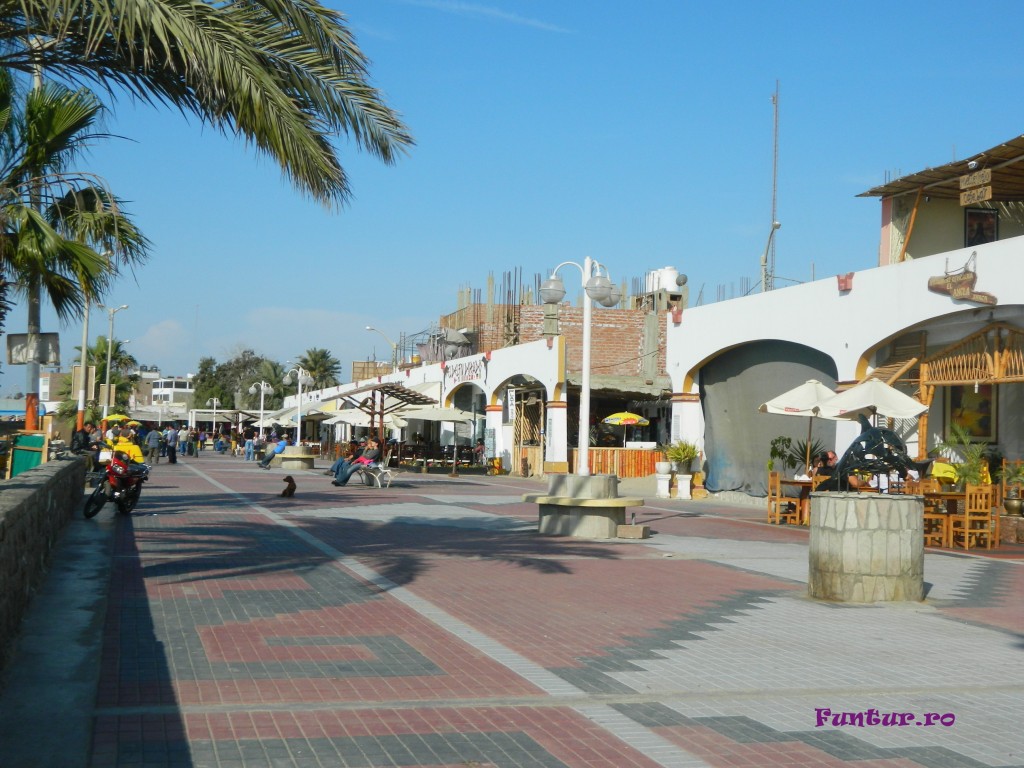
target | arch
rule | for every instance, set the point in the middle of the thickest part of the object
(737, 439)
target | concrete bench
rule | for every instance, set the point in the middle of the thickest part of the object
(586, 518)
(294, 457)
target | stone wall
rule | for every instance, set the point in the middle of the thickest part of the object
(866, 547)
(34, 507)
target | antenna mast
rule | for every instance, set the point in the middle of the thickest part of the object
(775, 181)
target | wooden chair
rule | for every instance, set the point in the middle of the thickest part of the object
(779, 507)
(936, 518)
(976, 526)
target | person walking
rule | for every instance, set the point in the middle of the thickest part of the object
(250, 446)
(153, 441)
(171, 441)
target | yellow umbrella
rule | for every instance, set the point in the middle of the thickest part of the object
(134, 423)
(625, 419)
(116, 417)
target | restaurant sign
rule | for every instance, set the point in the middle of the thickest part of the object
(960, 285)
(464, 370)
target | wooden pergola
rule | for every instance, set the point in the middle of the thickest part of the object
(378, 400)
(993, 355)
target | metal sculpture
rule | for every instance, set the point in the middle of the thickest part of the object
(876, 451)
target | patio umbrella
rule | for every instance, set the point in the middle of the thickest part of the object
(625, 419)
(117, 417)
(871, 397)
(804, 400)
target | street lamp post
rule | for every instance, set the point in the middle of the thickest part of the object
(214, 402)
(264, 389)
(766, 280)
(394, 347)
(83, 380)
(598, 287)
(111, 311)
(301, 377)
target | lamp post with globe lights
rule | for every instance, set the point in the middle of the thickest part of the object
(264, 389)
(598, 287)
(302, 377)
(213, 401)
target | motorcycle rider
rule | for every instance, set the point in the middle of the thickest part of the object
(120, 440)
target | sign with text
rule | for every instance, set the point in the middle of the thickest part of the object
(459, 371)
(976, 179)
(979, 195)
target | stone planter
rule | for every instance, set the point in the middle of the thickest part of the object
(866, 547)
(662, 467)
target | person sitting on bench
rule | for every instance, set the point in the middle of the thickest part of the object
(269, 454)
(369, 457)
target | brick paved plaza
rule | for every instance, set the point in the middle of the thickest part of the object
(428, 625)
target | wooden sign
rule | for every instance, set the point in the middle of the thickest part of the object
(979, 195)
(976, 179)
(960, 285)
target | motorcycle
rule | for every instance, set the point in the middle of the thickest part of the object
(121, 483)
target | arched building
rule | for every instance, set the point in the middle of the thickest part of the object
(942, 318)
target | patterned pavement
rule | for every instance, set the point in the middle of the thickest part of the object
(428, 625)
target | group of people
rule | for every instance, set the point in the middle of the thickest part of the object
(141, 445)
(367, 455)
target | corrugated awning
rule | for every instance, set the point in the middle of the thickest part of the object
(1003, 160)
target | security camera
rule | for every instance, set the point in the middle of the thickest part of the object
(972, 164)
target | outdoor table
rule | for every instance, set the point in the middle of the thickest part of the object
(803, 500)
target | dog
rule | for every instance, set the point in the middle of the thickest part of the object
(289, 490)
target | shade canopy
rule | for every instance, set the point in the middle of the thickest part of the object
(871, 397)
(434, 413)
(804, 400)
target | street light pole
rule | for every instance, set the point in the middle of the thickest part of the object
(301, 377)
(394, 347)
(83, 380)
(263, 389)
(111, 311)
(598, 287)
(214, 402)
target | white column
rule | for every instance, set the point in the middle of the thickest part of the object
(492, 420)
(556, 436)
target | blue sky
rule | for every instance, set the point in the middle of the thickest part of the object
(637, 133)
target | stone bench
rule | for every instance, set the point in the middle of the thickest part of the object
(586, 518)
(294, 457)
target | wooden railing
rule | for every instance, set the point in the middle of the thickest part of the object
(624, 462)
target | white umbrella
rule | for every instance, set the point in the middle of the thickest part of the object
(804, 400)
(434, 413)
(871, 397)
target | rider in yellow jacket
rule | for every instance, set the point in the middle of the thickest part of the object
(122, 442)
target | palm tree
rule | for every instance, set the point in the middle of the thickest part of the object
(322, 366)
(285, 75)
(52, 219)
(121, 364)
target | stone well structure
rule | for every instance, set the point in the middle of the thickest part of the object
(866, 547)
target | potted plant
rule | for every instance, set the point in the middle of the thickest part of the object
(971, 469)
(1013, 477)
(781, 454)
(681, 454)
